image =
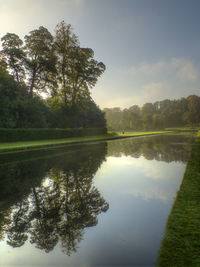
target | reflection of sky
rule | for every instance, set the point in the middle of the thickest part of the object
(140, 177)
(140, 194)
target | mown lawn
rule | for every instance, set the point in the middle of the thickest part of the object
(188, 128)
(46, 143)
(54, 142)
(181, 243)
(141, 133)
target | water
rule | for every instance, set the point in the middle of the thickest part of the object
(100, 204)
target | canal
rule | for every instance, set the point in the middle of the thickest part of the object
(97, 204)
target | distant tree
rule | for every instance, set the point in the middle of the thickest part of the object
(113, 117)
(192, 115)
(135, 117)
(147, 112)
(159, 115)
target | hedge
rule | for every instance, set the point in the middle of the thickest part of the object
(15, 135)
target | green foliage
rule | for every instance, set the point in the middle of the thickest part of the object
(55, 65)
(159, 115)
(17, 108)
(40, 60)
(14, 55)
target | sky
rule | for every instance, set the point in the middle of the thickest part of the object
(151, 48)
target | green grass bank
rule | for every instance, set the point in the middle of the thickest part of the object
(181, 243)
(42, 144)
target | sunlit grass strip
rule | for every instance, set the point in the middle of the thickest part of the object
(188, 128)
(54, 142)
(181, 243)
(51, 143)
(141, 133)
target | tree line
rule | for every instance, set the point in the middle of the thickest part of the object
(158, 115)
(54, 65)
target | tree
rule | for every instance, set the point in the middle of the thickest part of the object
(14, 55)
(147, 112)
(55, 65)
(40, 62)
(76, 68)
(65, 40)
(82, 73)
(192, 115)
(3, 64)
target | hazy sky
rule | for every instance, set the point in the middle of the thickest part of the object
(151, 48)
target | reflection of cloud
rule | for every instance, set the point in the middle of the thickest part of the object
(150, 193)
(141, 178)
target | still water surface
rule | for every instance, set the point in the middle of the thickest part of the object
(100, 204)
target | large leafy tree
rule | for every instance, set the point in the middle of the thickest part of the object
(82, 73)
(14, 55)
(65, 41)
(40, 61)
(57, 65)
(10, 95)
(76, 67)
(3, 64)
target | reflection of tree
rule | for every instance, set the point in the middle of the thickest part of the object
(162, 148)
(19, 224)
(63, 204)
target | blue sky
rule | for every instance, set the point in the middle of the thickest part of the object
(151, 48)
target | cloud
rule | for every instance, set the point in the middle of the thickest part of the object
(148, 82)
(147, 68)
(79, 2)
(185, 69)
(151, 91)
(179, 67)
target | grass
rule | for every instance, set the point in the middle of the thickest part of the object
(47, 143)
(5, 147)
(42, 144)
(188, 128)
(129, 134)
(181, 243)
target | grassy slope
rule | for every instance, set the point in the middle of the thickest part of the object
(129, 134)
(181, 243)
(186, 128)
(46, 143)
